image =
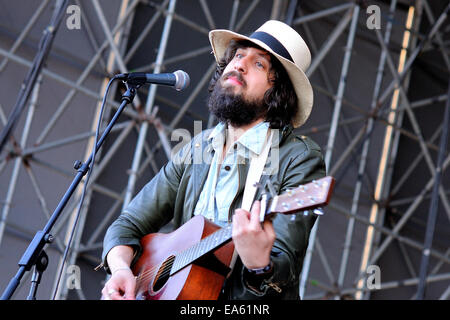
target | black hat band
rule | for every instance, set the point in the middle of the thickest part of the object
(273, 43)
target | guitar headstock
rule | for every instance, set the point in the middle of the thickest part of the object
(308, 196)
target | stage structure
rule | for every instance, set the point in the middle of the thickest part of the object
(380, 73)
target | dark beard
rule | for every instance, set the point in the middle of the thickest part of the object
(234, 109)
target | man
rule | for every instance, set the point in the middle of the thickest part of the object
(258, 91)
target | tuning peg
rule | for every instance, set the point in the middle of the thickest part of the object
(318, 211)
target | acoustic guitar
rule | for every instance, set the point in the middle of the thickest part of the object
(191, 263)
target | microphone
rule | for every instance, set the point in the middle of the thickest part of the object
(179, 79)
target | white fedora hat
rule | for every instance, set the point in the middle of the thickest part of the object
(288, 47)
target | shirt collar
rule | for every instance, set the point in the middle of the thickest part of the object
(253, 139)
(218, 136)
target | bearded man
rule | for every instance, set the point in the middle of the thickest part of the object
(259, 94)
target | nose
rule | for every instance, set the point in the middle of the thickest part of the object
(241, 65)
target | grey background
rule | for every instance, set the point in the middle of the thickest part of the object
(73, 50)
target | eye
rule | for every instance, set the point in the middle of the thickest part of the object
(259, 64)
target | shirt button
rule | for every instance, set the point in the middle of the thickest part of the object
(227, 168)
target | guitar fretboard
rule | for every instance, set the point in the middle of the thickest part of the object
(206, 245)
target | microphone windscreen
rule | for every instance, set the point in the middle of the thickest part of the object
(182, 80)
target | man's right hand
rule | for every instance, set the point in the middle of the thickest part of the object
(122, 284)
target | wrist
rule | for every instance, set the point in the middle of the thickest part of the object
(114, 270)
(264, 270)
(258, 280)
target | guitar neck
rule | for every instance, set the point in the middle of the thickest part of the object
(206, 245)
(306, 197)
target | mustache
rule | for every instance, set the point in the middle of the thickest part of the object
(236, 75)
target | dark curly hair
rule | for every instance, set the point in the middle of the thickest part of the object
(281, 100)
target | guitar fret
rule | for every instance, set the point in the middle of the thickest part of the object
(202, 245)
(177, 262)
(207, 244)
(189, 254)
(196, 252)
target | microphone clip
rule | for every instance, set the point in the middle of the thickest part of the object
(134, 80)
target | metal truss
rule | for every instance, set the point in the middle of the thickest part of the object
(361, 119)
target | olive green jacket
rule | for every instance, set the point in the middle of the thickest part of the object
(173, 193)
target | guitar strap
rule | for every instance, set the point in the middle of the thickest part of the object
(254, 173)
(253, 176)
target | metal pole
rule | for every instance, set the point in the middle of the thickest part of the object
(390, 143)
(78, 216)
(143, 34)
(329, 42)
(365, 151)
(83, 76)
(432, 215)
(24, 33)
(414, 54)
(410, 169)
(416, 128)
(323, 13)
(148, 108)
(18, 161)
(332, 135)
(30, 80)
(403, 220)
(391, 233)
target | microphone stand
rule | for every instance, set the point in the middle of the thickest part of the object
(34, 254)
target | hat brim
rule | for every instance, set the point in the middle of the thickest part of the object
(220, 39)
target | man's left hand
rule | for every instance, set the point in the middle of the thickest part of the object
(253, 241)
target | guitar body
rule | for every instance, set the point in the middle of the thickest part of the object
(201, 280)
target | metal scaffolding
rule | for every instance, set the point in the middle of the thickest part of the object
(383, 132)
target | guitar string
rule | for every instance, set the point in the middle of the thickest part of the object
(167, 268)
(151, 272)
(141, 278)
(148, 274)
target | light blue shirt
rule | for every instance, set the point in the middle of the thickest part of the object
(222, 184)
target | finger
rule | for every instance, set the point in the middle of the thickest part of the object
(114, 294)
(254, 216)
(105, 295)
(241, 214)
(241, 218)
(240, 222)
(269, 229)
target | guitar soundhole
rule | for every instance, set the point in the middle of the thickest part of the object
(163, 274)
